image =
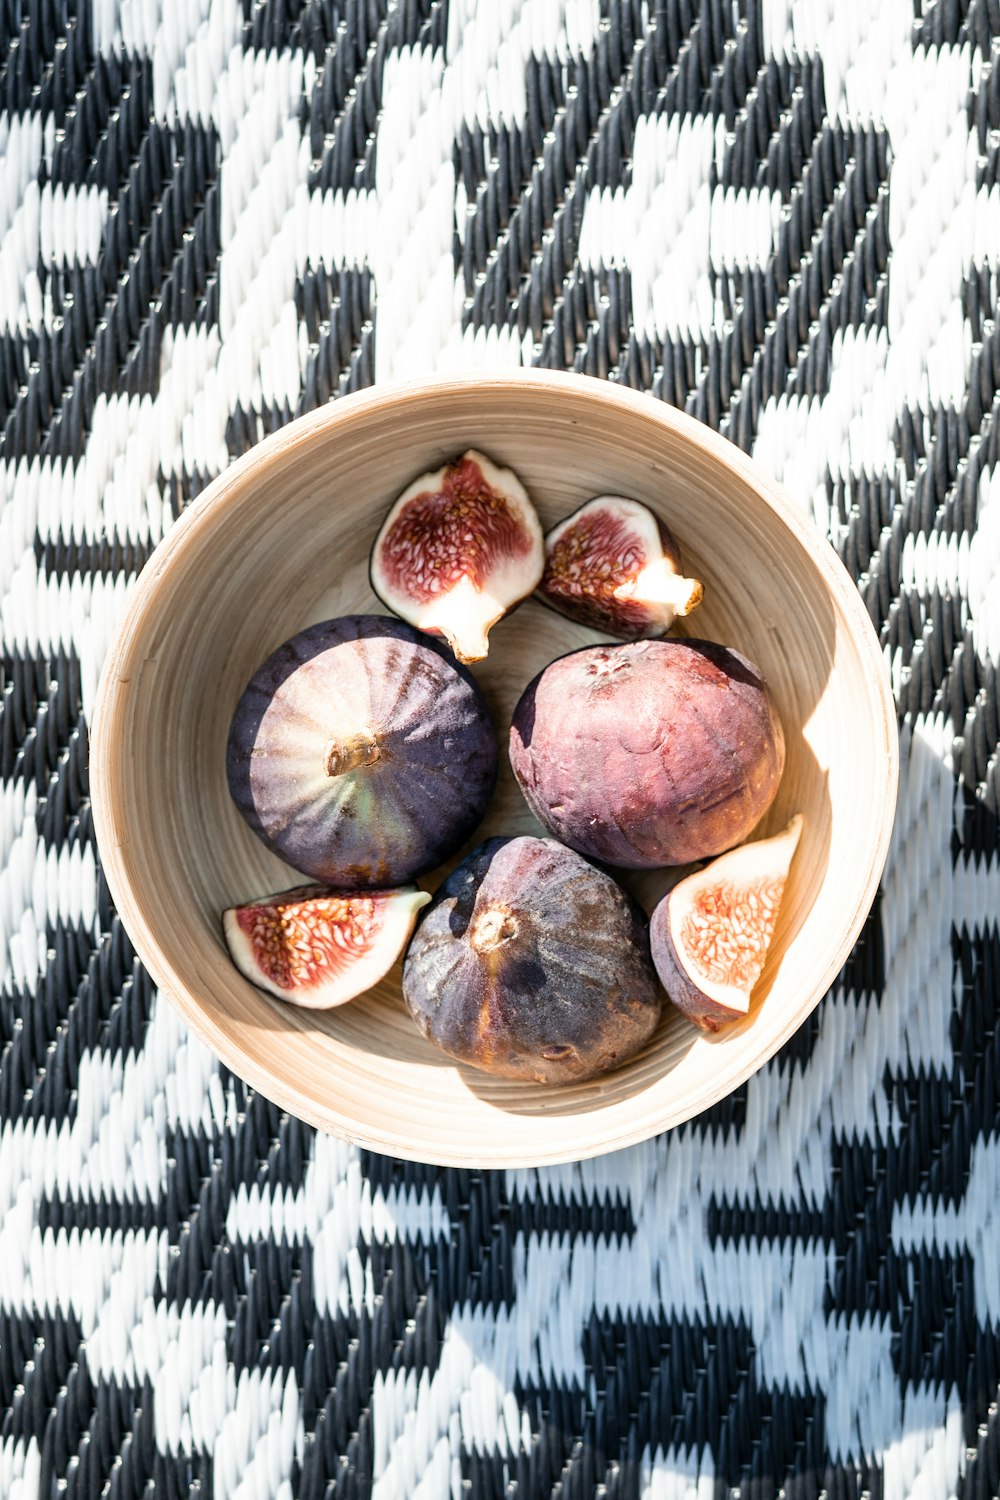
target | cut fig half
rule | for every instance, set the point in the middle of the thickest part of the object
(317, 947)
(710, 934)
(613, 565)
(458, 550)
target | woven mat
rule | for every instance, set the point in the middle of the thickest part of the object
(781, 215)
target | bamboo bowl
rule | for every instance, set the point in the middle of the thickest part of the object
(281, 540)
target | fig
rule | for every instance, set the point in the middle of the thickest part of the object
(530, 963)
(318, 947)
(460, 547)
(647, 754)
(613, 565)
(711, 933)
(361, 753)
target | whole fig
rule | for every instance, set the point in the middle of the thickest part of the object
(361, 753)
(530, 963)
(648, 754)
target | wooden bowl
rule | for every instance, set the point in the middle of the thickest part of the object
(281, 540)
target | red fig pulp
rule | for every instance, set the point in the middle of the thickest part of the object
(320, 948)
(711, 933)
(460, 547)
(652, 753)
(613, 565)
(530, 963)
(361, 753)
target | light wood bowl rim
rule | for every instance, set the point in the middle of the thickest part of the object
(107, 750)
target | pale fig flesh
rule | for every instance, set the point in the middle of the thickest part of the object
(710, 935)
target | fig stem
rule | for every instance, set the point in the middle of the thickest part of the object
(464, 617)
(658, 583)
(360, 749)
(494, 927)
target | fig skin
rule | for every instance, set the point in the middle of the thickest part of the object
(648, 754)
(532, 964)
(361, 753)
(750, 880)
(682, 992)
(613, 565)
(320, 948)
(460, 548)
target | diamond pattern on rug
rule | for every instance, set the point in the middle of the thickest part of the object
(779, 215)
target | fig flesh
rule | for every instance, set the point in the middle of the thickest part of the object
(613, 565)
(650, 753)
(532, 964)
(361, 753)
(320, 948)
(711, 933)
(460, 547)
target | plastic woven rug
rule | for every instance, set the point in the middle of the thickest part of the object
(783, 216)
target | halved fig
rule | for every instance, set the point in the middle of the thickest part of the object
(710, 934)
(613, 565)
(320, 948)
(459, 549)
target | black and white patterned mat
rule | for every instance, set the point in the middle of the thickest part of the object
(782, 215)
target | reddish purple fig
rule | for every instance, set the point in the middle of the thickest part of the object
(711, 933)
(652, 753)
(458, 550)
(613, 565)
(361, 754)
(320, 948)
(530, 963)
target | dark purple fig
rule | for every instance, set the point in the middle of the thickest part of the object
(460, 547)
(361, 754)
(320, 948)
(711, 933)
(613, 565)
(530, 963)
(653, 753)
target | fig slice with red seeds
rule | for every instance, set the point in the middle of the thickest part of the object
(710, 934)
(319, 947)
(613, 565)
(458, 550)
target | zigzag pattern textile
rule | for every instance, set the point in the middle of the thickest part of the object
(780, 215)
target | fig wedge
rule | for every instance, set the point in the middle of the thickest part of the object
(710, 935)
(458, 550)
(320, 948)
(613, 565)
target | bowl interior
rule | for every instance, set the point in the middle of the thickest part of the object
(283, 541)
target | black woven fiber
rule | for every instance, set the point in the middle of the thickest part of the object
(780, 215)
